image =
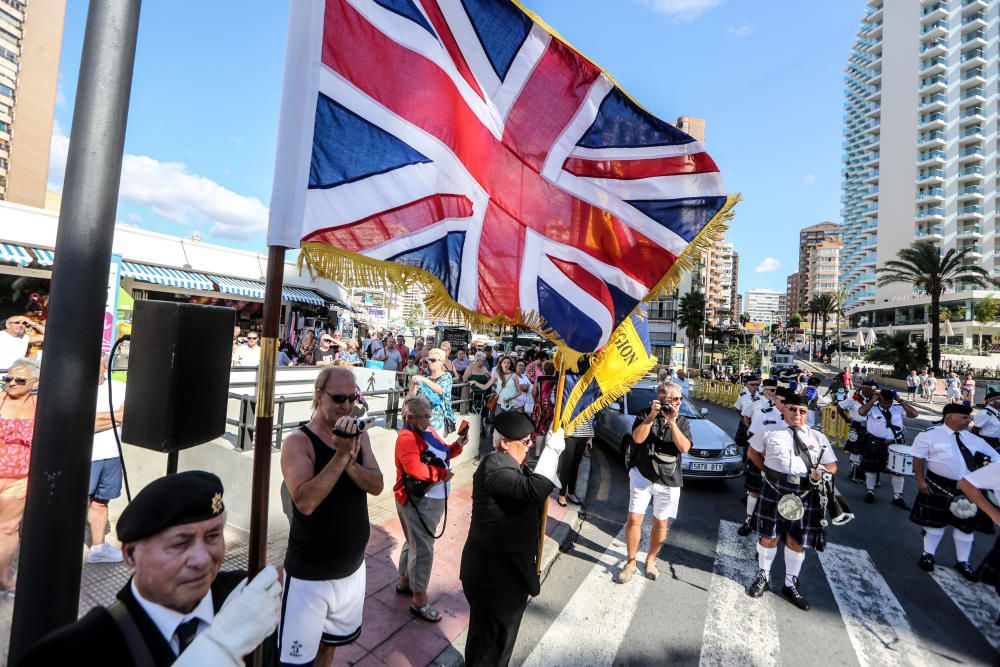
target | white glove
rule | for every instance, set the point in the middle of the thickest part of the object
(556, 440)
(248, 616)
(548, 462)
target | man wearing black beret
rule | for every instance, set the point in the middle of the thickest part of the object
(177, 608)
(498, 563)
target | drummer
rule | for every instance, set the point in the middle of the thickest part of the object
(848, 409)
(884, 412)
(987, 421)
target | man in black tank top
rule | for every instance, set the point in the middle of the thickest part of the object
(329, 469)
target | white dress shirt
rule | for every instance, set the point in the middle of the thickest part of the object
(743, 399)
(988, 421)
(937, 446)
(167, 620)
(987, 477)
(766, 417)
(778, 448)
(852, 406)
(877, 425)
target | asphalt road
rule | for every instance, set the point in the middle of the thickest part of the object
(871, 605)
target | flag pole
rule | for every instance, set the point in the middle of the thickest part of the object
(556, 416)
(264, 423)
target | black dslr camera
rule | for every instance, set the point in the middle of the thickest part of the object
(428, 458)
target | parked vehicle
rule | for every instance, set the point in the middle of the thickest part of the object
(713, 453)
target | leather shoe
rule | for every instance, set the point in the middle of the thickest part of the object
(900, 503)
(926, 563)
(870, 497)
(744, 530)
(759, 585)
(966, 571)
(793, 595)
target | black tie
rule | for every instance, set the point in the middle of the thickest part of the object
(800, 448)
(970, 460)
(186, 632)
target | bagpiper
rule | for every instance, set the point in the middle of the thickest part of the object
(942, 455)
(884, 412)
(858, 430)
(796, 463)
(751, 476)
(987, 421)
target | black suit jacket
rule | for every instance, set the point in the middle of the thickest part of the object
(95, 639)
(502, 545)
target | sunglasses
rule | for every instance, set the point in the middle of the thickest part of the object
(340, 398)
(800, 411)
(24, 322)
(252, 338)
(20, 382)
(434, 361)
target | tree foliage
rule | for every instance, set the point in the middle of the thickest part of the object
(897, 351)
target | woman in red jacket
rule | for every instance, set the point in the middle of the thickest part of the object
(425, 461)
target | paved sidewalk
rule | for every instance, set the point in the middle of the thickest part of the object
(390, 635)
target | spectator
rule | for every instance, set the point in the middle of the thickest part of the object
(968, 389)
(286, 354)
(16, 338)
(930, 385)
(461, 363)
(404, 351)
(544, 394)
(683, 382)
(448, 365)
(350, 354)
(420, 511)
(325, 354)
(374, 349)
(329, 469)
(478, 376)
(811, 394)
(534, 368)
(952, 388)
(236, 343)
(524, 401)
(411, 369)
(105, 466)
(847, 380)
(418, 349)
(249, 354)
(393, 359)
(569, 463)
(306, 348)
(17, 425)
(436, 386)
(912, 382)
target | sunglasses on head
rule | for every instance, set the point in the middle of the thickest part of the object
(340, 398)
(20, 382)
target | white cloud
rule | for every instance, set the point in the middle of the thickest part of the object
(768, 265)
(808, 179)
(133, 217)
(739, 32)
(682, 10)
(176, 194)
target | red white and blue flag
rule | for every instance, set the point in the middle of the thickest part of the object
(462, 143)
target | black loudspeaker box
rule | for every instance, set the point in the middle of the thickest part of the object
(178, 374)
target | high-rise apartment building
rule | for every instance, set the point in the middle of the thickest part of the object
(806, 283)
(764, 305)
(792, 293)
(920, 149)
(30, 40)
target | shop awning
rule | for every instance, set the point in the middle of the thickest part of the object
(301, 295)
(335, 301)
(45, 257)
(240, 287)
(170, 277)
(10, 252)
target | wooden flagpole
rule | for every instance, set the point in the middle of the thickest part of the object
(264, 423)
(556, 416)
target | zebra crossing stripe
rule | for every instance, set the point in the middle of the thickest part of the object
(977, 601)
(590, 628)
(879, 629)
(738, 629)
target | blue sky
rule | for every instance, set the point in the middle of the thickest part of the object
(767, 75)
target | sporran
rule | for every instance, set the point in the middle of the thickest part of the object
(790, 507)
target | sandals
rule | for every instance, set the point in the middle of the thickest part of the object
(573, 499)
(562, 501)
(427, 613)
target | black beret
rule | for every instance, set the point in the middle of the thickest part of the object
(513, 425)
(956, 409)
(992, 391)
(796, 399)
(770, 383)
(784, 392)
(174, 500)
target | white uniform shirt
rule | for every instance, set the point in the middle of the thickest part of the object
(765, 417)
(877, 425)
(778, 448)
(938, 447)
(988, 421)
(987, 477)
(12, 348)
(852, 406)
(773, 422)
(743, 399)
(752, 404)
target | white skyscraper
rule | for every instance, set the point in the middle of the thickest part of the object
(920, 150)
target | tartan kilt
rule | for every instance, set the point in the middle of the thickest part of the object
(860, 433)
(989, 569)
(742, 438)
(767, 523)
(931, 510)
(874, 454)
(752, 481)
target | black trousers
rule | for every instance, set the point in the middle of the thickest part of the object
(494, 619)
(569, 464)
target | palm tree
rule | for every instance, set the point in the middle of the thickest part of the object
(691, 316)
(897, 351)
(984, 312)
(812, 310)
(840, 296)
(825, 305)
(923, 266)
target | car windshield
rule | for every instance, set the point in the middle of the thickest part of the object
(641, 398)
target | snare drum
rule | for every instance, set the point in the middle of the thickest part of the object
(900, 460)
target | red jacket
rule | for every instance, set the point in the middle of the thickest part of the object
(409, 444)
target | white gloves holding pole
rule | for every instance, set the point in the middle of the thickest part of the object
(548, 462)
(247, 617)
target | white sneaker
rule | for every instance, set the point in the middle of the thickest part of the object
(104, 553)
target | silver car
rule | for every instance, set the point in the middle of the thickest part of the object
(713, 453)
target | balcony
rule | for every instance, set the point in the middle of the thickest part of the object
(977, 19)
(936, 11)
(926, 158)
(934, 65)
(934, 30)
(973, 58)
(978, 94)
(935, 47)
(974, 38)
(973, 211)
(927, 139)
(971, 172)
(972, 152)
(932, 120)
(932, 84)
(931, 233)
(932, 102)
(973, 251)
(929, 176)
(976, 75)
(932, 194)
(930, 214)
(971, 191)
(972, 114)
(974, 230)
(971, 131)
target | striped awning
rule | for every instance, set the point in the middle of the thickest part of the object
(239, 287)
(45, 257)
(170, 277)
(301, 295)
(10, 252)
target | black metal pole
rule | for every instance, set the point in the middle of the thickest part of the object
(48, 582)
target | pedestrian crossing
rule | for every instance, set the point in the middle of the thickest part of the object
(591, 627)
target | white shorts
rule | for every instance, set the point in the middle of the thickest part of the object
(319, 611)
(954, 393)
(641, 491)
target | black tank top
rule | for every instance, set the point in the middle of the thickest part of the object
(329, 543)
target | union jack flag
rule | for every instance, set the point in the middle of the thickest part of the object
(463, 138)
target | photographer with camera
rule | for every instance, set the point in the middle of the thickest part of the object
(884, 412)
(423, 468)
(660, 435)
